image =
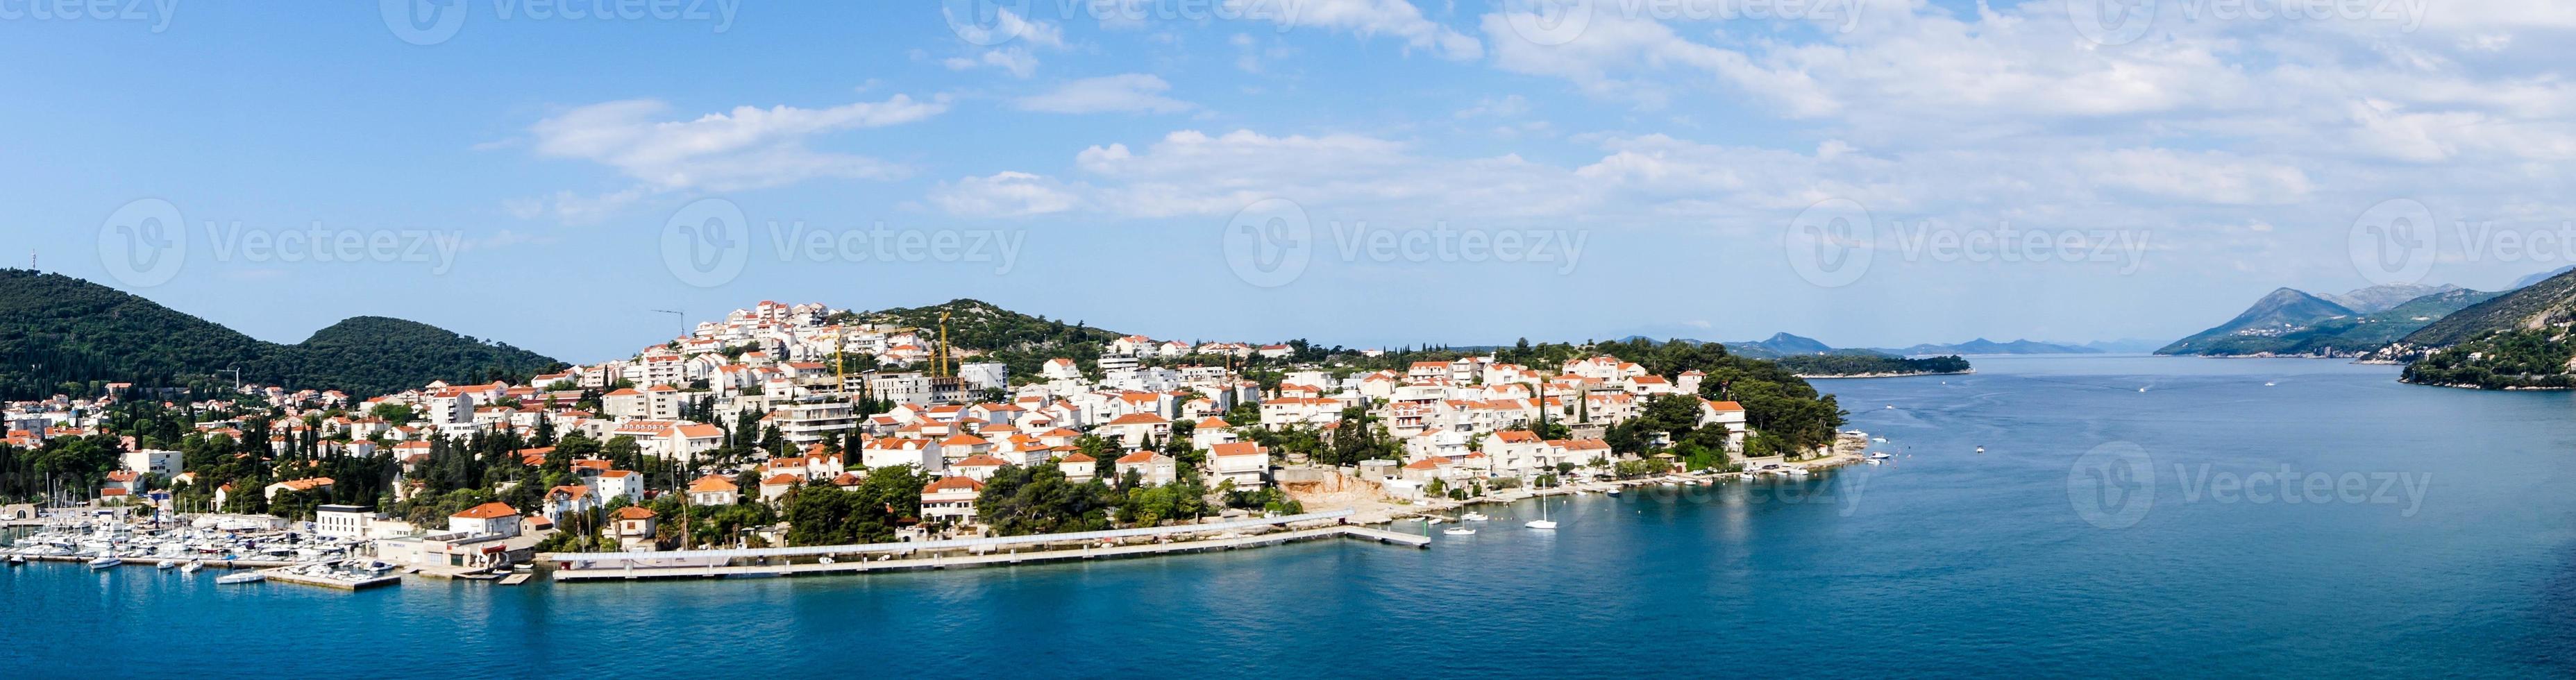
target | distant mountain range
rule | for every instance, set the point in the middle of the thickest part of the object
(1787, 345)
(57, 332)
(2291, 322)
(2525, 282)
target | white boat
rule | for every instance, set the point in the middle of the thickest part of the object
(1474, 517)
(105, 562)
(1981, 449)
(166, 564)
(1796, 471)
(2268, 384)
(1542, 522)
(1459, 531)
(1431, 520)
(1882, 455)
(1613, 491)
(15, 560)
(192, 567)
(241, 577)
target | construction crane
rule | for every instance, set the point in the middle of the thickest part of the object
(939, 364)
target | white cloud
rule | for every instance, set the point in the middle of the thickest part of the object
(1130, 92)
(1395, 18)
(1015, 40)
(745, 148)
(1003, 194)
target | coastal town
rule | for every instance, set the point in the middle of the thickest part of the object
(797, 434)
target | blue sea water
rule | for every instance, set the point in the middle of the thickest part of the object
(1945, 562)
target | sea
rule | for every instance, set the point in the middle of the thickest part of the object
(2044, 516)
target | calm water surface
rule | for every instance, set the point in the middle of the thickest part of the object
(1946, 562)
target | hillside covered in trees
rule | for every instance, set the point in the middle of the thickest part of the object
(60, 334)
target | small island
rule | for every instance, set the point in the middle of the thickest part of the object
(1872, 366)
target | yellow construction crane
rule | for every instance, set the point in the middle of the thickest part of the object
(841, 367)
(939, 364)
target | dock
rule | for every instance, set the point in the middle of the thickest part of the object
(959, 553)
(288, 575)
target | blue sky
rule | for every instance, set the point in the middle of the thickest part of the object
(1133, 154)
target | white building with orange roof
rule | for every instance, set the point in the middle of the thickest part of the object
(894, 451)
(614, 484)
(951, 499)
(1078, 467)
(961, 446)
(1283, 413)
(775, 487)
(1209, 432)
(714, 490)
(1729, 415)
(1245, 463)
(1135, 429)
(978, 467)
(1059, 369)
(568, 500)
(1151, 467)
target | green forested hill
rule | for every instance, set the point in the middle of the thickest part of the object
(60, 334)
(990, 333)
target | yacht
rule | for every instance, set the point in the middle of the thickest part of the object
(192, 567)
(1459, 531)
(1474, 517)
(1542, 522)
(15, 560)
(1613, 491)
(105, 562)
(166, 565)
(241, 577)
